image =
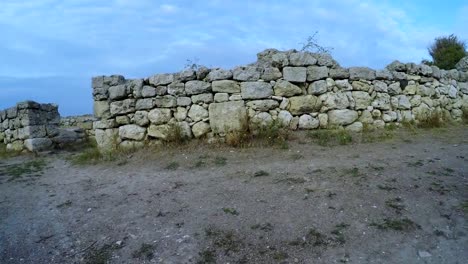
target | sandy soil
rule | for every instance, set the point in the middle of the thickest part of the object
(404, 200)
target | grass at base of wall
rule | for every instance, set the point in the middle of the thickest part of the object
(90, 155)
(4, 153)
(273, 134)
(465, 116)
(434, 120)
(331, 137)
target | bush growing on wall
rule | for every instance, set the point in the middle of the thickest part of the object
(447, 51)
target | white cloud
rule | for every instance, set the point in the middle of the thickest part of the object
(168, 9)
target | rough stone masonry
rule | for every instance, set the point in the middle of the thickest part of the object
(29, 125)
(35, 127)
(300, 90)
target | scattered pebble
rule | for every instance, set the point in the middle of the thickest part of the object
(89, 210)
(424, 254)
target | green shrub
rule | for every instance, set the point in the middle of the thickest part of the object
(446, 52)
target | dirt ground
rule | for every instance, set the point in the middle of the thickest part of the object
(402, 200)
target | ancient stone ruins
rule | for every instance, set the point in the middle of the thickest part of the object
(35, 127)
(298, 90)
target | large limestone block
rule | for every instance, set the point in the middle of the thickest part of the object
(133, 132)
(271, 74)
(364, 73)
(315, 73)
(122, 107)
(197, 87)
(101, 109)
(38, 144)
(106, 139)
(462, 65)
(117, 92)
(284, 117)
(287, 89)
(228, 116)
(219, 74)
(226, 86)
(187, 75)
(161, 79)
(159, 116)
(342, 117)
(362, 100)
(200, 129)
(382, 101)
(148, 91)
(202, 98)
(32, 132)
(104, 124)
(318, 87)
(302, 59)
(304, 104)
(308, 122)
(176, 88)
(295, 74)
(339, 73)
(144, 104)
(160, 131)
(263, 105)
(197, 113)
(141, 118)
(335, 100)
(256, 90)
(165, 101)
(248, 73)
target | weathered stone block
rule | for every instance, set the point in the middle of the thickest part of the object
(219, 74)
(201, 128)
(176, 88)
(304, 104)
(144, 104)
(302, 59)
(165, 101)
(122, 107)
(160, 131)
(342, 117)
(117, 92)
(316, 73)
(101, 109)
(226, 86)
(202, 98)
(256, 90)
(159, 116)
(228, 116)
(248, 73)
(38, 144)
(318, 87)
(197, 113)
(364, 73)
(133, 132)
(197, 87)
(161, 79)
(295, 74)
(271, 74)
(262, 105)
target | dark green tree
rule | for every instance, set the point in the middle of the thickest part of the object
(447, 51)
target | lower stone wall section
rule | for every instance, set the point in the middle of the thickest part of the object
(29, 125)
(36, 127)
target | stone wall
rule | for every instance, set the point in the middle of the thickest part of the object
(29, 125)
(299, 90)
(84, 122)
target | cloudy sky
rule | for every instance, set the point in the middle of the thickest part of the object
(50, 49)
